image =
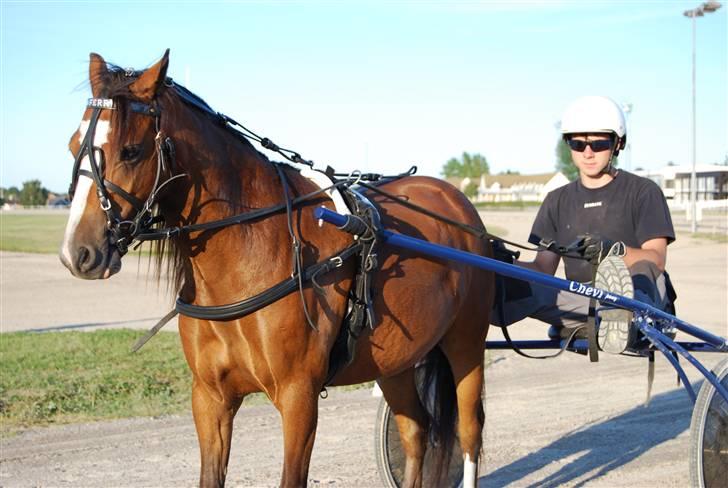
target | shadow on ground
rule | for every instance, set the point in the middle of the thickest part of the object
(666, 417)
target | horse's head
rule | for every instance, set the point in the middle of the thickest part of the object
(119, 163)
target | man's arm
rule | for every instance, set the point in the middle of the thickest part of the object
(545, 262)
(653, 250)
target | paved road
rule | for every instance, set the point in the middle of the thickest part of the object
(38, 293)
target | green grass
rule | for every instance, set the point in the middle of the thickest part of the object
(64, 377)
(41, 233)
(70, 377)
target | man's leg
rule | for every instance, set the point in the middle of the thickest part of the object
(566, 311)
(650, 285)
(556, 307)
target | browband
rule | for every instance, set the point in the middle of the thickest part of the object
(136, 106)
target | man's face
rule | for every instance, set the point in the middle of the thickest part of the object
(590, 162)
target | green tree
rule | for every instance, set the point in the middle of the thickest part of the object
(453, 167)
(468, 166)
(564, 164)
(471, 191)
(33, 193)
(11, 194)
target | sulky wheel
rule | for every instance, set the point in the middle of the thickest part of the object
(390, 457)
(709, 434)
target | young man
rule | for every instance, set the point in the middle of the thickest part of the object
(622, 221)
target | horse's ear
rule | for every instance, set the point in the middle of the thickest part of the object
(146, 86)
(96, 73)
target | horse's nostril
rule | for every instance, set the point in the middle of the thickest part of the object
(88, 259)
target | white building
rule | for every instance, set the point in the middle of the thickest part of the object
(513, 187)
(712, 181)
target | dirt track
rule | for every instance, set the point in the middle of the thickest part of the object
(548, 423)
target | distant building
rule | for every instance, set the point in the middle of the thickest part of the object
(712, 181)
(57, 201)
(513, 187)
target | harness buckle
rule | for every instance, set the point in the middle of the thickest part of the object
(337, 261)
(128, 227)
(105, 203)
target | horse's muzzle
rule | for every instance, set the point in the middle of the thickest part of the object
(92, 263)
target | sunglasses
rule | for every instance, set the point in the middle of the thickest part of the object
(598, 145)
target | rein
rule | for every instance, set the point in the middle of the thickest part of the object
(565, 251)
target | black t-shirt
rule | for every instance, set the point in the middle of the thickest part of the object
(630, 208)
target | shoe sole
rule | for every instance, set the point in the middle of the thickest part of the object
(615, 332)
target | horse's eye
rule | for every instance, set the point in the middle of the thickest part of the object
(131, 153)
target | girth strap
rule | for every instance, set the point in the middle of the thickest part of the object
(249, 305)
(252, 304)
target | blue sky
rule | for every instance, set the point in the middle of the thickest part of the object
(372, 85)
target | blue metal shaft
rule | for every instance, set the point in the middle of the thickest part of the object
(660, 340)
(582, 344)
(603, 296)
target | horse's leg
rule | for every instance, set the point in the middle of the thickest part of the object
(298, 406)
(466, 361)
(401, 395)
(214, 422)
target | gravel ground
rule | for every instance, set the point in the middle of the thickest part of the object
(563, 422)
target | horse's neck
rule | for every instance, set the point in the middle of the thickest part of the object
(242, 259)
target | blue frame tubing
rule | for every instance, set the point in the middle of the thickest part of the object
(645, 315)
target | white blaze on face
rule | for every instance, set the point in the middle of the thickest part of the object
(84, 185)
(470, 472)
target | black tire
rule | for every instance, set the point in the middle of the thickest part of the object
(709, 434)
(390, 457)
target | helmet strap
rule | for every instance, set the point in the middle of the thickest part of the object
(609, 169)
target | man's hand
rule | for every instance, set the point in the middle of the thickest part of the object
(595, 247)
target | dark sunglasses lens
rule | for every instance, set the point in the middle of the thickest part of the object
(600, 145)
(597, 146)
(577, 145)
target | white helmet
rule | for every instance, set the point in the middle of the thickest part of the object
(595, 114)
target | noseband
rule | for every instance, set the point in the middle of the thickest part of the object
(122, 230)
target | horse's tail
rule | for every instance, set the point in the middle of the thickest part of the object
(436, 388)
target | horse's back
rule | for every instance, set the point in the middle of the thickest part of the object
(436, 195)
(419, 298)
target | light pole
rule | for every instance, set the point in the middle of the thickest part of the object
(705, 7)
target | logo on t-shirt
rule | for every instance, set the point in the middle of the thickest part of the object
(592, 204)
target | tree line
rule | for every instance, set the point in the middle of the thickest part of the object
(476, 165)
(32, 193)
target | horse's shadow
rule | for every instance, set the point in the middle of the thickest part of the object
(635, 432)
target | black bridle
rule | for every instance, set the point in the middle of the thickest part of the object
(123, 231)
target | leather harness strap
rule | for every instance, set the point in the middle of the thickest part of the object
(265, 298)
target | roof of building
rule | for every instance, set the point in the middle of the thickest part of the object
(455, 181)
(508, 180)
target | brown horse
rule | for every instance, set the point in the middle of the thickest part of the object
(425, 308)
